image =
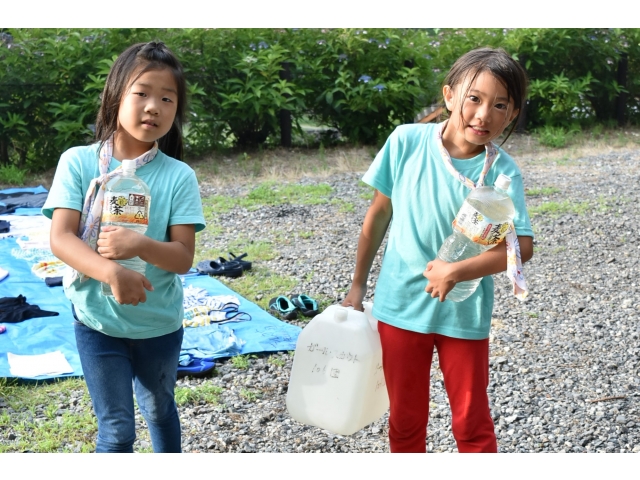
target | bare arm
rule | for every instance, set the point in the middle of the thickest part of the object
(176, 255)
(443, 276)
(374, 227)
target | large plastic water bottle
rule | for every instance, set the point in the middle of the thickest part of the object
(481, 223)
(127, 201)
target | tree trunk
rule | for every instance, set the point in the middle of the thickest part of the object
(4, 152)
(521, 126)
(285, 115)
(621, 100)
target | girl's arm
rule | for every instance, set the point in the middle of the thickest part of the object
(374, 227)
(443, 276)
(128, 286)
(176, 255)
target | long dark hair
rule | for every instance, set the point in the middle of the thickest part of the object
(138, 59)
(499, 64)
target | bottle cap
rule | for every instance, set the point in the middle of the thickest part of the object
(502, 182)
(341, 314)
(129, 165)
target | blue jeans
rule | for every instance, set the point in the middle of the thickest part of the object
(113, 369)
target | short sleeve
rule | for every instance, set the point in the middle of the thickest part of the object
(186, 206)
(381, 173)
(67, 189)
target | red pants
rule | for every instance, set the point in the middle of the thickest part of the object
(406, 359)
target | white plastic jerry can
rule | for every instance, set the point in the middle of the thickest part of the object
(337, 382)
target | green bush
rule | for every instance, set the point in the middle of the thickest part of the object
(574, 72)
(364, 82)
(561, 101)
(361, 82)
(49, 91)
(556, 137)
(576, 68)
(244, 82)
(12, 175)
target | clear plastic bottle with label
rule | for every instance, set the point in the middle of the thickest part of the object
(127, 200)
(481, 223)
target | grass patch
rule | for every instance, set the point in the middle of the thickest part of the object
(256, 251)
(38, 419)
(65, 433)
(565, 161)
(249, 395)
(268, 193)
(271, 193)
(544, 191)
(30, 395)
(344, 206)
(242, 361)
(555, 209)
(278, 362)
(193, 396)
(366, 190)
(260, 285)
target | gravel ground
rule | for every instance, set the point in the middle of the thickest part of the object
(565, 373)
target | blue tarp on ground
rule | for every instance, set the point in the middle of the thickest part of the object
(263, 333)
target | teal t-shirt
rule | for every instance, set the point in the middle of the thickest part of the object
(175, 200)
(426, 198)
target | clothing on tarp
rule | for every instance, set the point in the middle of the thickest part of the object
(53, 281)
(202, 309)
(22, 226)
(9, 203)
(190, 365)
(16, 309)
(210, 341)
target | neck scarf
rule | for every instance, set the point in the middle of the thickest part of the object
(89, 227)
(514, 262)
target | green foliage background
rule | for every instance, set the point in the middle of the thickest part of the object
(362, 82)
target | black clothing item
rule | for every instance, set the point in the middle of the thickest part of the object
(4, 226)
(16, 309)
(53, 281)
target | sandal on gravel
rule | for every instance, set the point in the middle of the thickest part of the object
(245, 264)
(233, 259)
(283, 307)
(307, 305)
(217, 269)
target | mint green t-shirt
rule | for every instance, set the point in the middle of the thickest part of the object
(426, 198)
(175, 200)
